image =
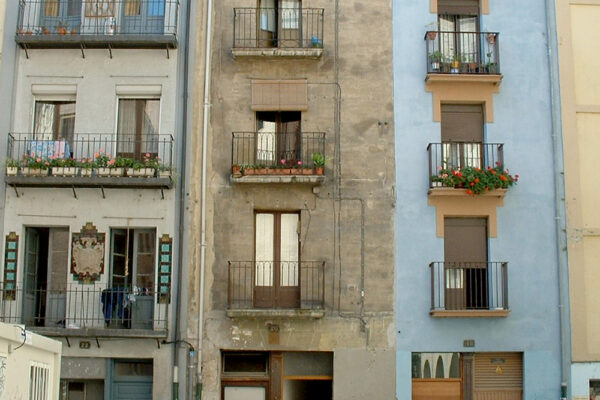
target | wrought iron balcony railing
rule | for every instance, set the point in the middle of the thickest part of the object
(125, 23)
(91, 309)
(459, 286)
(454, 155)
(268, 149)
(278, 28)
(276, 285)
(462, 53)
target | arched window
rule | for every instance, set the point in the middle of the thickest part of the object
(455, 366)
(426, 370)
(439, 368)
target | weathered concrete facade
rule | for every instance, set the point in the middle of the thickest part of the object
(580, 104)
(347, 222)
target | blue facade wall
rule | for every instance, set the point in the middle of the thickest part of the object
(526, 236)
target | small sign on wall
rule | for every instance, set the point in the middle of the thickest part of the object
(11, 246)
(165, 261)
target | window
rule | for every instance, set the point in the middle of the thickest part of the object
(462, 135)
(465, 256)
(277, 256)
(594, 390)
(138, 127)
(278, 137)
(54, 120)
(458, 23)
(275, 375)
(82, 390)
(39, 375)
(279, 23)
(45, 275)
(133, 259)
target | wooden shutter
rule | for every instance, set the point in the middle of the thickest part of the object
(462, 123)
(498, 376)
(279, 95)
(465, 239)
(458, 7)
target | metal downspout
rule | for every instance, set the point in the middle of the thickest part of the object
(205, 117)
(559, 195)
(183, 146)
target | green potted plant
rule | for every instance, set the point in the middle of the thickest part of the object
(491, 67)
(150, 165)
(319, 161)
(475, 180)
(435, 59)
(34, 166)
(12, 167)
(135, 168)
(119, 164)
(164, 170)
(103, 163)
(85, 166)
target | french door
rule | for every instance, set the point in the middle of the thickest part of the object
(277, 260)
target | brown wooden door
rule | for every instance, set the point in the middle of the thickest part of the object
(277, 260)
(462, 135)
(465, 255)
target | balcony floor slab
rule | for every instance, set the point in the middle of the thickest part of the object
(276, 313)
(99, 332)
(277, 52)
(96, 41)
(89, 182)
(303, 179)
(469, 313)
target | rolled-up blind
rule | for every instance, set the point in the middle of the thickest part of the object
(458, 7)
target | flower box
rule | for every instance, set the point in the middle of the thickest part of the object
(285, 171)
(103, 171)
(64, 171)
(12, 171)
(248, 171)
(116, 171)
(141, 172)
(27, 171)
(307, 171)
(164, 174)
(260, 171)
(87, 172)
(296, 171)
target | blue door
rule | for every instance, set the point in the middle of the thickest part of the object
(143, 17)
(57, 14)
(131, 380)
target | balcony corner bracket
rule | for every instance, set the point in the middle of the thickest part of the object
(26, 51)
(82, 50)
(168, 55)
(110, 51)
(162, 193)
(16, 190)
(97, 342)
(68, 342)
(158, 343)
(103, 194)
(74, 192)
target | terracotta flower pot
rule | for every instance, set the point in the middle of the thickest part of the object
(319, 170)
(236, 171)
(432, 35)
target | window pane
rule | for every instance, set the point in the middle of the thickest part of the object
(145, 260)
(289, 250)
(73, 8)
(125, 368)
(245, 393)
(245, 363)
(264, 249)
(132, 7)
(156, 8)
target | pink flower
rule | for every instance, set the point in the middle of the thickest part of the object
(96, 155)
(299, 162)
(283, 161)
(148, 155)
(38, 159)
(111, 162)
(101, 151)
(90, 159)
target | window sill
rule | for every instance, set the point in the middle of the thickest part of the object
(468, 78)
(502, 313)
(277, 52)
(261, 179)
(448, 191)
(276, 313)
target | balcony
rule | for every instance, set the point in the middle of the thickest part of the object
(463, 57)
(278, 32)
(85, 310)
(276, 289)
(448, 157)
(84, 160)
(97, 24)
(269, 157)
(469, 289)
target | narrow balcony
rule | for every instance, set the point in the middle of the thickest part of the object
(269, 157)
(278, 32)
(463, 56)
(94, 310)
(97, 23)
(276, 289)
(485, 161)
(469, 289)
(90, 160)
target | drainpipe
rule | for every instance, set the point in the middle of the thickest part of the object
(559, 187)
(205, 117)
(183, 146)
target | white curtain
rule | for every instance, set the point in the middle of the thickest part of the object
(289, 250)
(264, 249)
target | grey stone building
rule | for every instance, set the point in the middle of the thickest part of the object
(297, 265)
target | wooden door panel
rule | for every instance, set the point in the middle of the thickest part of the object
(447, 389)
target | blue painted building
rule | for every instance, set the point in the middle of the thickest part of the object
(477, 275)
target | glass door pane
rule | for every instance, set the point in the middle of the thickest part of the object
(264, 249)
